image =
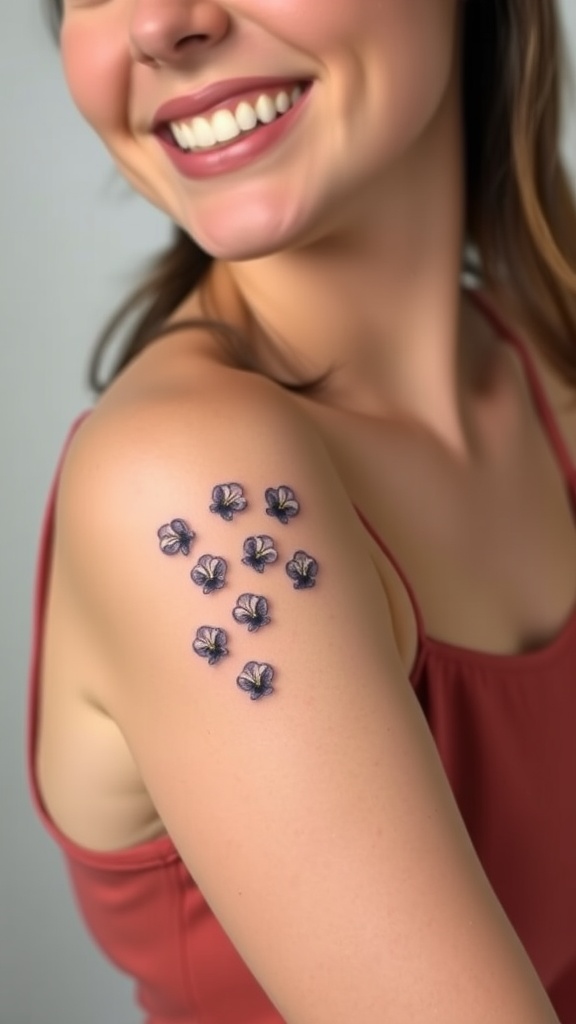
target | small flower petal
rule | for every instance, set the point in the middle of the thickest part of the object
(251, 610)
(210, 573)
(211, 643)
(228, 499)
(256, 679)
(175, 537)
(282, 503)
(302, 570)
(259, 552)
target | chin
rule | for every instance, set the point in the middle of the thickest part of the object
(237, 250)
(237, 228)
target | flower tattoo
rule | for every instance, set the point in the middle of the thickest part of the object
(281, 503)
(259, 552)
(256, 679)
(252, 611)
(228, 499)
(302, 569)
(176, 537)
(211, 643)
(209, 573)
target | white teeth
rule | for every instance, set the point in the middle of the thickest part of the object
(223, 126)
(246, 116)
(180, 133)
(266, 109)
(282, 102)
(205, 137)
(189, 136)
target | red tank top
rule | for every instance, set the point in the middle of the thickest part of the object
(505, 727)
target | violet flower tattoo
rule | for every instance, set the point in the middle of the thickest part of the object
(302, 570)
(282, 504)
(256, 679)
(209, 573)
(228, 499)
(211, 643)
(259, 552)
(176, 537)
(252, 611)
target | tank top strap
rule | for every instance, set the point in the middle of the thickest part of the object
(551, 429)
(417, 611)
(45, 544)
(540, 398)
(40, 589)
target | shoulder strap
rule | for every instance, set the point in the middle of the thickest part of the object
(541, 400)
(41, 585)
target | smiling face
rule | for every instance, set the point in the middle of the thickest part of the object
(370, 77)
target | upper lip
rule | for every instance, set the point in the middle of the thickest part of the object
(185, 107)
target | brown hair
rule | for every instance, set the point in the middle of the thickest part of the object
(521, 215)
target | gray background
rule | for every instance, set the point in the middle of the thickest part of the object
(72, 239)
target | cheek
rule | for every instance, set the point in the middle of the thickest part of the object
(402, 72)
(96, 75)
(390, 58)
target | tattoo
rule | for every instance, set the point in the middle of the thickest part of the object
(282, 503)
(211, 643)
(256, 679)
(176, 537)
(302, 569)
(252, 611)
(259, 552)
(210, 573)
(228, 499)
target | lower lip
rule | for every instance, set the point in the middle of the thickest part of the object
(237, 154)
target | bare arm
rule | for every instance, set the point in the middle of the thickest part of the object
(288, 758)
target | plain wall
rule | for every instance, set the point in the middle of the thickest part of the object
(72, 239)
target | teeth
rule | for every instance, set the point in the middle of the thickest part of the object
(246, 117)
(282, 102)
(189, 136)
(223, 126)
(266, 110)
(204, 135)
(180, 133)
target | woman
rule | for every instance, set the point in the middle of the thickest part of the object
(335, 493)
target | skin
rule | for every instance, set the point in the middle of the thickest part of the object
(342, 250)
(324, 218)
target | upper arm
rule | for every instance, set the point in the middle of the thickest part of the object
(316, 819)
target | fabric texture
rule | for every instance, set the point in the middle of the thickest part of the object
(505, 728)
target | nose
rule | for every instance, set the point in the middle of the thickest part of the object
(166, 32)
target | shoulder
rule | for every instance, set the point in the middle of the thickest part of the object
(183, 434)
(222, 442)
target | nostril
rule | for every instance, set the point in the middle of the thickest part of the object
(197, 37)
(165, 32)
(177, 49)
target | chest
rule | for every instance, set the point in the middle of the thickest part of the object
(485, 555)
